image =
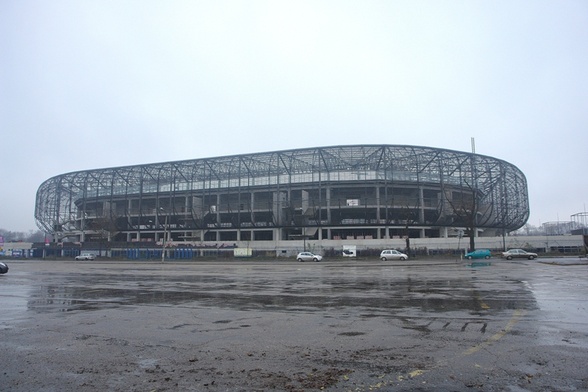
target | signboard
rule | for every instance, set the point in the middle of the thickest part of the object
(242, 252)
(352, 202)
(349, 250)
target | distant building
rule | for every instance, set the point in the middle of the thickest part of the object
(558, 227)
(324, 193)
(580, 223)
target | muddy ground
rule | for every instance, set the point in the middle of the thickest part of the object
(339, 325)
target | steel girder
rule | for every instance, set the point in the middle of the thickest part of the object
(500, 187)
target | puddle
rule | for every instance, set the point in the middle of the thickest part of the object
(381, 297)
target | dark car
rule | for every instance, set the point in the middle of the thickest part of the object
(478, 254)
(518, 254)
(3, 268)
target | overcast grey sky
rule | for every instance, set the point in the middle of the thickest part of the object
(94, 84)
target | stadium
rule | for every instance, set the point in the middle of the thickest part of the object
(336, 193)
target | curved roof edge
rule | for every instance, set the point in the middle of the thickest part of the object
(284, 152)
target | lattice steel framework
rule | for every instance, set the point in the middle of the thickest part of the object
(259, 190)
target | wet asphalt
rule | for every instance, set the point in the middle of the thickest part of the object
(256, 325)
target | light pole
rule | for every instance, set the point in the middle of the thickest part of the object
(83, 237)
(164, 236)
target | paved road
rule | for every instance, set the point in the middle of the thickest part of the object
(283, 325)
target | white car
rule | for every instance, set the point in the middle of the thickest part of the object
(308, 256)
(86, 256)
(392, 254)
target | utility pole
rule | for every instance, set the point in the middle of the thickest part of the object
(164, 236)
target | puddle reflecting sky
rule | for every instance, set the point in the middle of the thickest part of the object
(286, 294)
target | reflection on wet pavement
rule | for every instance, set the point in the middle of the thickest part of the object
(385, 296)
(262, 325)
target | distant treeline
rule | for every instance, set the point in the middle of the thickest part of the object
(18, 236)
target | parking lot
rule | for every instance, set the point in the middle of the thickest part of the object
(243, 325)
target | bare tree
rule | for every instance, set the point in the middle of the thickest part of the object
(407, 213)
(411, 216)
(104, 228)
(31, 236)
(465, 206)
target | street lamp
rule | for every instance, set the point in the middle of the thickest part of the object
(84, 217)
(164, 236)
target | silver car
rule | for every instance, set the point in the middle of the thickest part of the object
(86, 256)
(392, 254)
(518, 254)
(308, 256)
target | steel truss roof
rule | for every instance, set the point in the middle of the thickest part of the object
(501, 186)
